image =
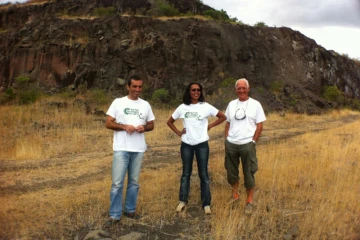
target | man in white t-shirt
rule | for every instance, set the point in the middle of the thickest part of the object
(245, 117)
(129, 117)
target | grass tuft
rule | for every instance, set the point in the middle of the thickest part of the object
(58, 160)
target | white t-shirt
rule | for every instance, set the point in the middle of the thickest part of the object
(195, 120)
(242, 131)
(130, 112)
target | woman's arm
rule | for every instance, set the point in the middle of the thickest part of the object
(171, 125)
(221, 117)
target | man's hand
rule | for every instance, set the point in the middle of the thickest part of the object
(129, 129)
(140, 129)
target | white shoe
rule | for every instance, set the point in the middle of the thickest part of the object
(207, 210)
(180, 206)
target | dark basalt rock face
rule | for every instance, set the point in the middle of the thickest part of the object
(286, 70)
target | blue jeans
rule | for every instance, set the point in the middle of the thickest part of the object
(123, 162)
(201, 151)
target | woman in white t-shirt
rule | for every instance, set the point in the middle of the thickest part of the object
(194, 113)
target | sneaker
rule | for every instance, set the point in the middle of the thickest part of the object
(207, 210)
(181, 206)
(132, 215)
(111, 222)
(248, 208)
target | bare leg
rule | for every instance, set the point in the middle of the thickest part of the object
(235, 190)
(250, 195)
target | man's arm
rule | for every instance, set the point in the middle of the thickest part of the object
(149, 126)
(259, 128)
(113, 125)
(227, 126)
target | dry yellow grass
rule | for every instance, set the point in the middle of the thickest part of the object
(66, 16)
(309, 182)
(199, 17)
(56, 167)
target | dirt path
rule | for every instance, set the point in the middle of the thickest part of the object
(156, 157)
(12, 181)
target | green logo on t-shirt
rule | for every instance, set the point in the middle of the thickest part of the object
(192, 115)
(129, 111)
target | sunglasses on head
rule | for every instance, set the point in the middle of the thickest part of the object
(196, 90)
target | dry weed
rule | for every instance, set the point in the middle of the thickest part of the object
(56, 168)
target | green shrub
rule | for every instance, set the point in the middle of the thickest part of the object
(332, 93)
(240, 22)
(162, 8)
(187, 14)
(212, 14)
(261, 90)
(68, 93)
(345, 55)
(97, 96)
(356, 104)
(160, 96)
(22, 79)
(276, 86)
(28, 96)
(228, 81)
(82, 88)
(217, 15)
(169, 11)
(260, 24)
(174, 102)
(104, 11)
(7, 96)
(293, 102)
(146, 91)
(236, 20)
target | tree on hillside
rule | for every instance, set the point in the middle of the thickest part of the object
(194, 6)
(118, 6)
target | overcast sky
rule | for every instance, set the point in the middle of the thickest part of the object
(333, 24)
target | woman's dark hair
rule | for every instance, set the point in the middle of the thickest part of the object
(187, 97)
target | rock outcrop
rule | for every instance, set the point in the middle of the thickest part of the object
(58, 44)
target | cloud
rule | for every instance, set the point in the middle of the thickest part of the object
(12, 1)
(293, 12)
(319, 13)
(334, 24)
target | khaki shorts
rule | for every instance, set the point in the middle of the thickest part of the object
(247, 154)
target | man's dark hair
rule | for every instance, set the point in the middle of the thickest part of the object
(133, 77)
(187, 97)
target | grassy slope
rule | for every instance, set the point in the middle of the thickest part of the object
(55, 170)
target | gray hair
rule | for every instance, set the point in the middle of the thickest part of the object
(242, 79)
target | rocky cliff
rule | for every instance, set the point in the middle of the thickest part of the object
(58, 44)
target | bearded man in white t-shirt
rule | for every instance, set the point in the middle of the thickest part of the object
(245, 117)
(129, 117)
